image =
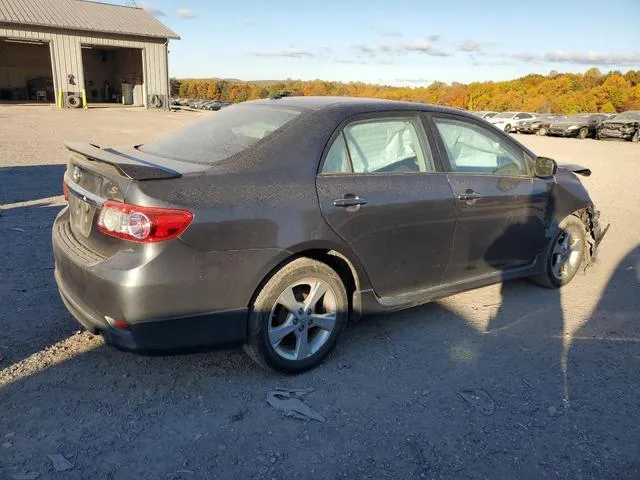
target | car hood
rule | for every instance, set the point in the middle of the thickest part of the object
(579, 169)
(616, 123)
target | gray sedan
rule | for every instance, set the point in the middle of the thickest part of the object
(274, 222)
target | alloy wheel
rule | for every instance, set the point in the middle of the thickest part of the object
(566, 255)
(302, 319)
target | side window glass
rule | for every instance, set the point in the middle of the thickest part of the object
(390, 145)
(337, 160)
(473, 149)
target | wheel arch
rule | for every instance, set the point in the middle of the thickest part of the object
(345, 265)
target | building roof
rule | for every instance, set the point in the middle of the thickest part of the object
(84, 15)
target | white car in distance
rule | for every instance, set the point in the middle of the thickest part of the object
(507, 121)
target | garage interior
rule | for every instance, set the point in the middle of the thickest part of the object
(113, 75)
(25, 71)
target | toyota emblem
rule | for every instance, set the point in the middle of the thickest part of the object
(77, 174)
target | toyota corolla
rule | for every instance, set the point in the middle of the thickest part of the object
(271, 223)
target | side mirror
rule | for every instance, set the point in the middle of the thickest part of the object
(545, 167)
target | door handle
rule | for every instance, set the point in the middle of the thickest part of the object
(469, 195)
(349, 202)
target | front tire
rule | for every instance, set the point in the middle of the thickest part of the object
(507, 128)
(297, 317)
(542, 132)
(583, 133)
(565, 254)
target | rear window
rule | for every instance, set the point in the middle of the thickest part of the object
(222, 134)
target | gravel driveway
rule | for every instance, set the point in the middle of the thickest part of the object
(504, 382)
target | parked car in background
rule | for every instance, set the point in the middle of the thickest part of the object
(626, 126)
(215, 105)
(507, 121)
(538, 125)
(272, 222)
(485, 114)
(579, 126)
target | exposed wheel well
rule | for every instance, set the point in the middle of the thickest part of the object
(335, 260)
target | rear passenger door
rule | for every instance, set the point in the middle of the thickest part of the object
(380, 190)
(500, 205)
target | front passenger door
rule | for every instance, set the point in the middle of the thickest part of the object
(500, 206)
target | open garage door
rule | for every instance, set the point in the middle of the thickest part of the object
(113, 75)
(25, 71)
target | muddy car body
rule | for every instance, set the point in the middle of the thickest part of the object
(625, 126)
(273, 222)
(578, 126)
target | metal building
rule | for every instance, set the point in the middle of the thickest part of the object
(78, 52)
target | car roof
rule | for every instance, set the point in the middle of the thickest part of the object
(353, 104)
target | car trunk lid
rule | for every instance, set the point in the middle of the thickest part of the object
(95, 175)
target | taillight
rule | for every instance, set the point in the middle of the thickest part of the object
(142, 224)
(65, 190)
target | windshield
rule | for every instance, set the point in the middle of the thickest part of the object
(628, 116)
(504, 115)
(222, 134)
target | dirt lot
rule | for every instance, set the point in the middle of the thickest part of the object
(503, 382)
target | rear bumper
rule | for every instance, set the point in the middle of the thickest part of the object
(172, 296)
(217, 329)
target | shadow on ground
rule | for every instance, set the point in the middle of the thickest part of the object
(418, 394)
(21, 184)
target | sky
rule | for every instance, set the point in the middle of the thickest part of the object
(396, 42)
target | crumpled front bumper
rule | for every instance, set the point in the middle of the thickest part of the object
(596, 230)
(615, 133)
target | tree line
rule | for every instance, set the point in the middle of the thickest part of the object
(566, 93)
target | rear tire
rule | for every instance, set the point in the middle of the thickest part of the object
(297, 317)
(583, 133)
(565, 254)
(542, 132)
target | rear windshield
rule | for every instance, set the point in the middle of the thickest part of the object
(222, 134)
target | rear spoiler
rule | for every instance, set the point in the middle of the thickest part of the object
(135, 168)
(579, 169)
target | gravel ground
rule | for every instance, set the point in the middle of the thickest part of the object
(509, 381)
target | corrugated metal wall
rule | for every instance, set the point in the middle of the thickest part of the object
(66, 55)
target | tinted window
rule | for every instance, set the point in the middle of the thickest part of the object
(389, 145)
(222, 134)
(474, 149)
(337, 159)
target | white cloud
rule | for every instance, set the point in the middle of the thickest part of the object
(413, 80)
(588, 58)
(150, 9)
(419, 45)
(365, 49)
(434, 38)
(470, 46)
(186, 13)
(288, 53)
